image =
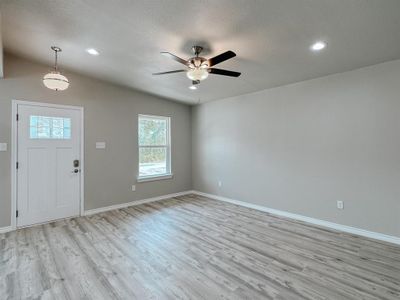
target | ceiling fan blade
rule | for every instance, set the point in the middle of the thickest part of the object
(220, 58)
(223, 72)
(174, 57)
(169, 72)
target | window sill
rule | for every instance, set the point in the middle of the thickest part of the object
(155, 178)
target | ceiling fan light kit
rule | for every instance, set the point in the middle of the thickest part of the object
(55, 80)
(198, 68)
(197, 74)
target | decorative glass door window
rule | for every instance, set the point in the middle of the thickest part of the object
(41, 127)
(154, 146)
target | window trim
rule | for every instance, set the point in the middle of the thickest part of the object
(154, 177)
(168, 174)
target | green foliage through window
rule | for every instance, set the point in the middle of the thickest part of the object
(153, 145)
(152, 132)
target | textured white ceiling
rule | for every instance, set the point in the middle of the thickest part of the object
(271, 39)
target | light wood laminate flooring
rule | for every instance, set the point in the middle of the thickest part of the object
(191, 247)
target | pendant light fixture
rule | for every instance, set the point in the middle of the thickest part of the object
(55, 80)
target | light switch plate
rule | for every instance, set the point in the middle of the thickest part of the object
(100, 145)
(340, 204)
(3, 146)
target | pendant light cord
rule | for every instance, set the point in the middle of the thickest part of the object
(56, 60)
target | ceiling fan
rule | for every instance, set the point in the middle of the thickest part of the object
(198, 68)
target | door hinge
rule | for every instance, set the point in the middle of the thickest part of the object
(17, 117)
(17, 165)
(16, 213)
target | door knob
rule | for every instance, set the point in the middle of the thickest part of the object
(75, 171)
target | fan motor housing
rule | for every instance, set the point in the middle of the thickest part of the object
(198, 62)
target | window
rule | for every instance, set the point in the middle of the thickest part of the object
(154, 147)
(41, 127)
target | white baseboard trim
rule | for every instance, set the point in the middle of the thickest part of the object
(331, 225)
(6, 229)
(133, 203)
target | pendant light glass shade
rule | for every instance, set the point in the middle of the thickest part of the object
(55, 80)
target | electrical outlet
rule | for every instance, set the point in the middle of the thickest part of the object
(219, 183)
(340, 204)
(133, 188)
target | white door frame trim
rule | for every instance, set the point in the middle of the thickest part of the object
(14, 153)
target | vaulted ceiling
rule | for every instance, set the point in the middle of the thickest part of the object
(270, 37)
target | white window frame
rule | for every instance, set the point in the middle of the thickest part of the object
(168, 174)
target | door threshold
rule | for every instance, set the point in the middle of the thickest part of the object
(47, 222)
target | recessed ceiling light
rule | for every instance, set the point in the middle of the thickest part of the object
(92, 51)
(193, 87)
(318, 46)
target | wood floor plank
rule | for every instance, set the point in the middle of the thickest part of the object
(192, 247)
(251, 246)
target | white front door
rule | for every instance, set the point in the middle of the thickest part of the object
(49, 163)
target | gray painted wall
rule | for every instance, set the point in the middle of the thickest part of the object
(110, 115)
(297, 148)
(301, 147)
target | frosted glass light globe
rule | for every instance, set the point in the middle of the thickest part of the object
(197, 74)
(55, 81)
